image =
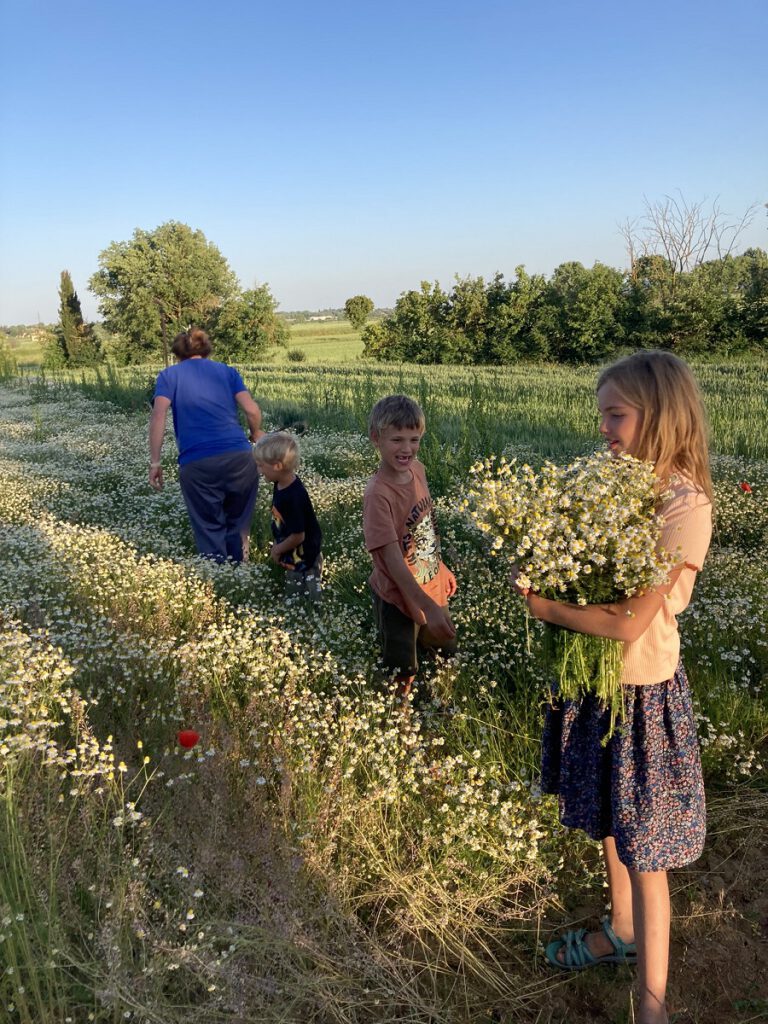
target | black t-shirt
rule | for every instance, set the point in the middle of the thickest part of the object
(292, 512)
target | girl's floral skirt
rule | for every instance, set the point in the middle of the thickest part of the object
(644, 787)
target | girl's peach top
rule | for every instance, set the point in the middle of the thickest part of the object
(686, 531)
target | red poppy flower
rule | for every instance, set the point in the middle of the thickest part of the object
(188, 738)
(745, 487)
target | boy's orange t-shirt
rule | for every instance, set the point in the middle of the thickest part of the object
(404, 513)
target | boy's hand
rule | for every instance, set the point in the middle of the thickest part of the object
(156, 477)
(450, 582)
(439, 624)
(274, 554)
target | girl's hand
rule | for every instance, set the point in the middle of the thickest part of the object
(274, 554)
(537, 605)
(513, 576)
(156, 477)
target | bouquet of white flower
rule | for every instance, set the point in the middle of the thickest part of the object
(586, 533)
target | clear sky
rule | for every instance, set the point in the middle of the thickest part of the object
(332, 148)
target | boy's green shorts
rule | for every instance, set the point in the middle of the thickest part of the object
(401, 638)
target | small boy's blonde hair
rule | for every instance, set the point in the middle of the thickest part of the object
(277, 447)
(396, 411)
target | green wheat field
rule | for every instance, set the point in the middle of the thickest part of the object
(319, 856)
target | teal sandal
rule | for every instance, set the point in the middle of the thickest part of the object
(577, 955)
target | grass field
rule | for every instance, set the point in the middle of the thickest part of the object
(27, 350)
(333, 342)
(319, 857)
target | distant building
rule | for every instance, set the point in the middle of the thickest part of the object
(327, 316)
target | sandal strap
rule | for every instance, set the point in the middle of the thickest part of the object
(622, 948)
(576, 952)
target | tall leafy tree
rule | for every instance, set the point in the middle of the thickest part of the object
(583, 311)
(417, 330)
(753, 297)
(159, 283)
(358, 309)
(513, 331)
(74, 342)
(246, 325)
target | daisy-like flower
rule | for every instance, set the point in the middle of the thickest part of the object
(586, 533)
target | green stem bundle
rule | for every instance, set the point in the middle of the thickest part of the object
(582, 664)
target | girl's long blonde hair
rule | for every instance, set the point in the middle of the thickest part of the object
(673, 429)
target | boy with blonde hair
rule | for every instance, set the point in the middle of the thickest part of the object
(295, 529)
(410, 583)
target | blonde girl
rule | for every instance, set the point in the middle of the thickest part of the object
(642, 793)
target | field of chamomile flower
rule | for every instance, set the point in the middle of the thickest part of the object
(317, 856)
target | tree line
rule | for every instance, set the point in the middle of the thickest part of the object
(581, 314)
(685, 290)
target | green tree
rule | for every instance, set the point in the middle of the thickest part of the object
(649, 296)
(246, 325)
(358, 309)
(157, 284)
(467, 317)
(719, 305)
(474, 323)
(752, 302)
(74, 342)
(513, 330)
(7, 359)
(583, 312)
(417, 330)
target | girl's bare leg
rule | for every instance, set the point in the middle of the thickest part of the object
(620, 890)
(650, 904)
(640, 913)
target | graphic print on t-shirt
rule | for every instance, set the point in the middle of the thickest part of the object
(421, 545)
(289, 559)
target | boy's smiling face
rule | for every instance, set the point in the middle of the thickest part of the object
(398, 447)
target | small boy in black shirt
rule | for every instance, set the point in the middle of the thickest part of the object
(296, 532)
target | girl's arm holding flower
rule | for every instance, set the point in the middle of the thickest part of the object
(626, 620)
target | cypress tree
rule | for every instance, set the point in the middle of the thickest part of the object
(75, 340)
(70, 317)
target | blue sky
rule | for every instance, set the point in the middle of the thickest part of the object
(335, 148)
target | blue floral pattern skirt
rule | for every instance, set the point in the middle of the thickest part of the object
(644, 787)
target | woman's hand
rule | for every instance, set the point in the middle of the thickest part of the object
(156, 477)
(156, 432)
